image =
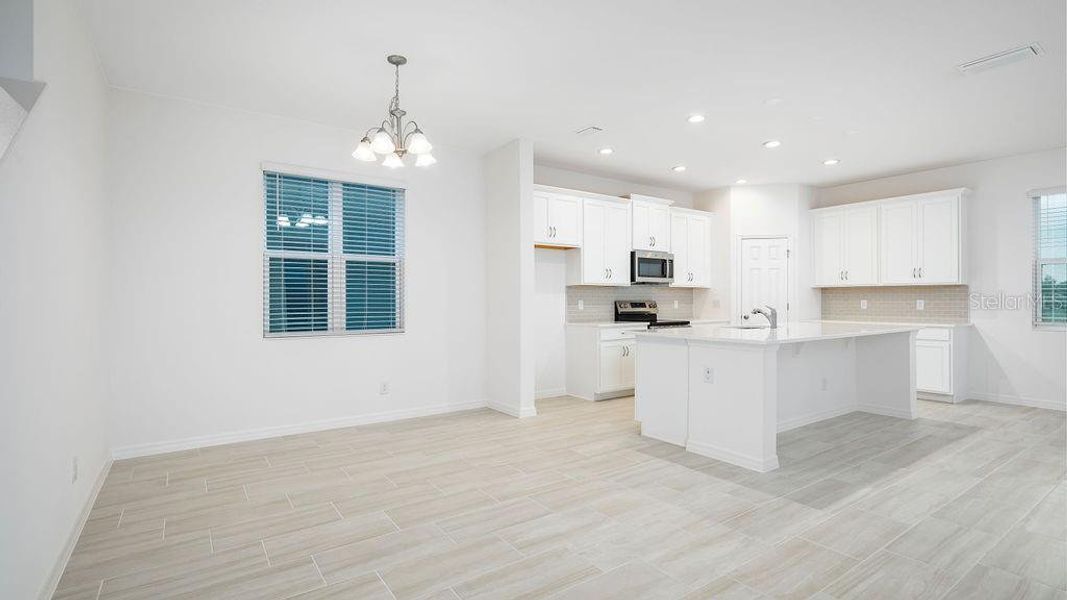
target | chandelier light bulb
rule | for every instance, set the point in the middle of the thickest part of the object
(418, 144)
(425, 160)
(364, 152)
(393, 161)
(382, 143)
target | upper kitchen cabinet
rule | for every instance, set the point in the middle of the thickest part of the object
(845, 245)
(922, 239)
(604, 258)
(557, 218)
(651, 223)
(691, 246)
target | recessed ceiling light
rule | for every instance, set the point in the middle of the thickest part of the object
(772, 144)
(741, 181)
(678, 168)
(831, 162)
(697, 118)
(606, 150)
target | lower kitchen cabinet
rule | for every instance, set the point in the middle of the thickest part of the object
(940, 363)
(601, 360)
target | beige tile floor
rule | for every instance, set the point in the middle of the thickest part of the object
(968, 501)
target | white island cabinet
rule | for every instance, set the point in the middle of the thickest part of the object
(725, 392)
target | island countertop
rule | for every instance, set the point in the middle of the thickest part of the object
(787, 333)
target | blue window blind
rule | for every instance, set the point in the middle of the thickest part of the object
(333, 257)
(1050, 257)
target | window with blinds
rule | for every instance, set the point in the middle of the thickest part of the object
(333, 258)
(1050, 257)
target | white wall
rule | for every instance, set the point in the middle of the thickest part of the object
(763, 210)
(550, 322)
(510, 268)
(1009, 360)
(16, 40)
(52, 285)
(577, 180)
(190, 360)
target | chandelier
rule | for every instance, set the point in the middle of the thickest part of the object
(395, 138)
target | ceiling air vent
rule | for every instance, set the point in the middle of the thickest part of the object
(1000, 59)
(591, 130)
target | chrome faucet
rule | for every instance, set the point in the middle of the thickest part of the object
(770, 313)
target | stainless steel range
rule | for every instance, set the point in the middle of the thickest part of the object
(643, 311)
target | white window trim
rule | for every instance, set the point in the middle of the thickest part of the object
(1035, 286)
(336, 300)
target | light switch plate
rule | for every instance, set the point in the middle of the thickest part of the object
(863, 305)
(920, 305)
(581, 305)
(675, 304)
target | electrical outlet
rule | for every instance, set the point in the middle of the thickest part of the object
(825, 384)
(675, 304)
(920, 305)
(74, 470)
(863, 305)
(709, 375)
(383, 388)
(581, 305)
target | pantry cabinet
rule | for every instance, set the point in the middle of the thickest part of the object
(604, 257)
(651, 223)
(691, 245)
(557, 219)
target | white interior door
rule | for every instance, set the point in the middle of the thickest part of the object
(764, 276)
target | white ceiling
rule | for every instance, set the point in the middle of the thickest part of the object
(482, 72)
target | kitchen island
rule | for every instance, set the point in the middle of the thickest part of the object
(725, 392)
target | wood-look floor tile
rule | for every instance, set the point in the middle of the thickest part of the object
(250, 531)
(331, 534)
(944, 545)
(855, 533)
(1050, 517)
(386, 499)
(434, 571)
(776, 520)
(1032, 556)
(632, 580)
(538, 576)
(339, 491)
(364, 587)
(482, 522)
(94, 566)
(991, 582)
(888, 576)
(224, 515)
(795, 569)
(699, 555)
(573, 528)
(724, 588)
(439, 508)
(351, 560)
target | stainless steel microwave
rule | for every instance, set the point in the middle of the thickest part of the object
(650, 267)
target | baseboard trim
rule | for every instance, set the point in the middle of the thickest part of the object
(1019, 401)
(741, 460)
(526, 411)
(52, 582)
(803, 420)
(270, 432)
(552, 393)
(885, 412)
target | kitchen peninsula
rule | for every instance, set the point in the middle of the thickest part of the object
(725, 392)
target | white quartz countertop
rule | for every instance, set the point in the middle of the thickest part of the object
(638, 324)
(918, 324)
(803, 331)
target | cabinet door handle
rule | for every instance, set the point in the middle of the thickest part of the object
(609, 273)
(841, 275)
(606, 274)
(846, 274)
(553, 231)
(652, 240)
(920, 272)
(913, 273)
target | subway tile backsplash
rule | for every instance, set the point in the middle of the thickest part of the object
(943, 304)
(599, 301)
